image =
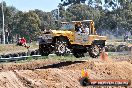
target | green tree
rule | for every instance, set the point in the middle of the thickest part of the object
(9, 13)
(47, 20)
(30, 23)
(26, 24)
(83, 12)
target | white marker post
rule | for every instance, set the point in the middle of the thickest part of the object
(3, 24)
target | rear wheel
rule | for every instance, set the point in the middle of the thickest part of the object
(44, 50)
(122, 48)
(94, 51)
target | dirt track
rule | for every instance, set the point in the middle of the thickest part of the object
(56, 74)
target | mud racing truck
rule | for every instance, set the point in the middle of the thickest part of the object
(76, 37)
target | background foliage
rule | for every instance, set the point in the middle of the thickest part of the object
(113, 17)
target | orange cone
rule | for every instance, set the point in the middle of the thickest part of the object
(104, 55)
(84, 73)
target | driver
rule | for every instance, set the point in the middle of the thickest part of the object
(86, 29)
(78, 28)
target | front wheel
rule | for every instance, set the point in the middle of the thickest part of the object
(94, 51)
(60, 48)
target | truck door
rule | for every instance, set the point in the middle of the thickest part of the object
(81, 38)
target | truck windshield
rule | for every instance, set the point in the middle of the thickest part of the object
(67, 26)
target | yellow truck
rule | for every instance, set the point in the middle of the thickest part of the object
(77, 37)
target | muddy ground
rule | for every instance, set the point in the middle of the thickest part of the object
(63, 74)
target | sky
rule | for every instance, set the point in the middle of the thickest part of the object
(25, 5)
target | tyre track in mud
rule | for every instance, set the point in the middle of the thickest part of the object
(25, 81)
(9, 80)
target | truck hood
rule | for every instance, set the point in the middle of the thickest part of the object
(102, 37)
(60, 31)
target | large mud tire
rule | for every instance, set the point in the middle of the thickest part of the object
(94, 51)
(44, 50)
(60, 48)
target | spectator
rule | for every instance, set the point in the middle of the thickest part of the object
(19, 42)
(79, 28)
(24, 42)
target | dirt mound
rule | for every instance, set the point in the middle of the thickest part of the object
(112, 70)
(56, 74)
(52, 78)
(33, 64)
(67, 76)
(105, 70)
(9, 80)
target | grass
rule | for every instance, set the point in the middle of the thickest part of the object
(62, 58)
(54, 57)
(28, 59)
(7, 48)
(66, 58)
